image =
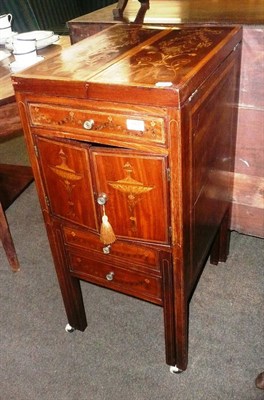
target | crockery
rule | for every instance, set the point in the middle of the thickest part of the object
(43, 38)
(23, 46)
(6, 39)
(25, 57)
(5, 32)
(5, 20)
(16, 66)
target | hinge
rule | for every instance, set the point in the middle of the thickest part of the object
(47, 201)
(170, 231)
(36, 150)
(192, 95)
(168, 174)
(236, 46)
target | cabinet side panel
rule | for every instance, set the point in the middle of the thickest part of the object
(213, 130)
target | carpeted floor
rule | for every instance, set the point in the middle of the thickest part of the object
(121, 354)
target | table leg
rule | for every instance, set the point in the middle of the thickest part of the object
(176, 319)
(220, 247)
(142, 11)
(7, 242)
(119, 10)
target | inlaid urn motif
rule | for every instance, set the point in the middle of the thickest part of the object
(133, 190)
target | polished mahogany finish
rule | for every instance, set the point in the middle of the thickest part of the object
(131, 136)
(248, 204)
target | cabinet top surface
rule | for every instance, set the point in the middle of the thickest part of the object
(122, 56)
(246, 12)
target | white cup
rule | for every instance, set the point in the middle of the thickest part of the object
(24, 50)
(5, 21)
(25, 58)
(23, 46)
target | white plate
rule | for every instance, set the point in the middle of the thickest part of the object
(40, 44)
(35, 35)
(17, 66)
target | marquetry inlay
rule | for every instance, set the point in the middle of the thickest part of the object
(68, 177)
(62, 118)
(133, 190)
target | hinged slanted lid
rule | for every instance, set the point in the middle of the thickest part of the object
(130, 63)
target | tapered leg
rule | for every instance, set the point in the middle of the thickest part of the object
(69, 285)
(7, 242)
(168, 310)
(73, 302)
(181, 331)
(220, 248)
(176, 316)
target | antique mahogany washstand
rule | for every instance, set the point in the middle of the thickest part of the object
(131, 136)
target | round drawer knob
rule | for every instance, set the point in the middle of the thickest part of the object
(88, 124)
(102, 199)
(110, 276)
(106, 249)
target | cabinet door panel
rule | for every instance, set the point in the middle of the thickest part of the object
(65, 168)
(136, 186)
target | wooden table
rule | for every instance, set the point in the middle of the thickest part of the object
(7, 94)
(248, 202)
(10, 123)
(14, 179)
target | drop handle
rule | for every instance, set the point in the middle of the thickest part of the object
(107, 235)
(110, 276)
(88, 124)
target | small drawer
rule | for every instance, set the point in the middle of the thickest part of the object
(145, 256)
(124, 126)
(92, 269)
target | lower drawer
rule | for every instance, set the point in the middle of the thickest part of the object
(137, 284)
(144, 258)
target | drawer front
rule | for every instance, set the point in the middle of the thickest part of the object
(123, 126)
(140, 257)
(89, 268)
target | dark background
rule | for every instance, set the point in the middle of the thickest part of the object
(48, 14)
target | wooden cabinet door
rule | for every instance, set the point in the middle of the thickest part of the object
(137, 190)
(65, 169)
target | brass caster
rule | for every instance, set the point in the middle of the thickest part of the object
(175, 370)
(69, 328)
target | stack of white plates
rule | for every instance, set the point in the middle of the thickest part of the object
(43, 38)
